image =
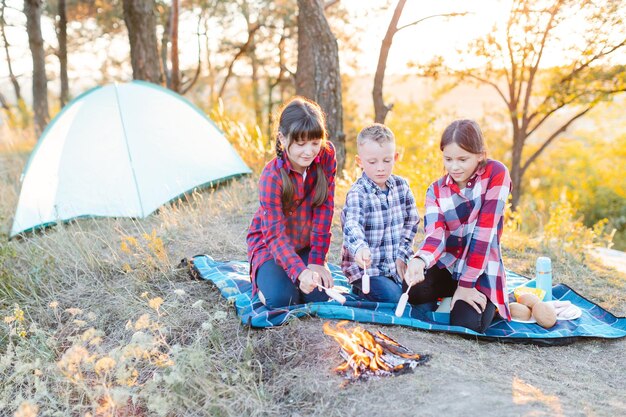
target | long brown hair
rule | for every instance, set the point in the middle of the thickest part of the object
(467, 134)
(301, 120)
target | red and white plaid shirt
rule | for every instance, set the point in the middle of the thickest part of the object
(463, 229)
(277, 234)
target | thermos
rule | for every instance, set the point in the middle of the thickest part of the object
(544, 276)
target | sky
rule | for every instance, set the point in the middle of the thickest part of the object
(369, 22)
(371, 17)
(431, 37)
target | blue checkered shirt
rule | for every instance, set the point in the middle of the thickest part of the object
(386, 223)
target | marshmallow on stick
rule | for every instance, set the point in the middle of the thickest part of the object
(334, 294)
(365, 283)
(404, 299)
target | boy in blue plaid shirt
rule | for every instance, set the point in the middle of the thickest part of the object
(379, 219)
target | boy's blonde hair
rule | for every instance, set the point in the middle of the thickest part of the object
(376, 132)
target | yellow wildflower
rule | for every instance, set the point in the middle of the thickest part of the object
(142, 322)
(88, 334)
(71, 360)
(124, 247)
(106, 404)
(53, 304)
(130, 378)
(104, 365)
(73, 311)
(18, 313)
(160, 359)
(26, 409)
(155, 303)
(95, 341)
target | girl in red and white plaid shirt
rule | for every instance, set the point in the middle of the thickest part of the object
(289, 236)
(463, 224)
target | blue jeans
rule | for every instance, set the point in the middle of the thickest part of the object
(382, 289)
(439, 283)
(279, 290)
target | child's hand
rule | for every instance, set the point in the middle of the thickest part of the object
(363, 258)
(414, 272)
(471, 296)
(400, 268)
(324, 273)
(309, 280)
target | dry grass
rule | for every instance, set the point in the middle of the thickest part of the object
(113, 327)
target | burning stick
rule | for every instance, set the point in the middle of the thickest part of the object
(371, 355)
(334, 294)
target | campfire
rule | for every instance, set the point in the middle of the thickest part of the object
(371, 355)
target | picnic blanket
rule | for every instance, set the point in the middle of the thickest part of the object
(233, 281)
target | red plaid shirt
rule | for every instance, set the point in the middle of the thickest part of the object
(277, 235)
(463, 229)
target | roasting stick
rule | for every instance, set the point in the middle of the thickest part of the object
(334, 294)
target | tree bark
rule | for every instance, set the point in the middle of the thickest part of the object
(7, 109)
(144, 52)
(256, 95)
(165, 40)
(16, 84)
(516, 167)
(62, 38)
(174, 50)
(317, 76)
(32, 10)
(380, 108)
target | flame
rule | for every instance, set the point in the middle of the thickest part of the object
(364, 352)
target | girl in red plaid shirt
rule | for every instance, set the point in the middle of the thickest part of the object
(460, 255)
(289, 236)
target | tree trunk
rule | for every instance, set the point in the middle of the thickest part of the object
(144, 52)
(256, 95)
(380, 108)
(516, 168)
(62, 37)
(317, 76)
(32, 10)
(165, 40)
(7, 109)
(174, 50)
(16, 85)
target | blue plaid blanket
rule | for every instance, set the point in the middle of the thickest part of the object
(233, 281)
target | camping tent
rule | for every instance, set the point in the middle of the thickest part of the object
(121, 150)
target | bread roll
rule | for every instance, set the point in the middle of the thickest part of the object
(544, 314)
(529, 300)
(520, 311)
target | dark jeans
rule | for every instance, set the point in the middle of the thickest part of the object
(278, 289)
(382, 289)
(439, 283)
